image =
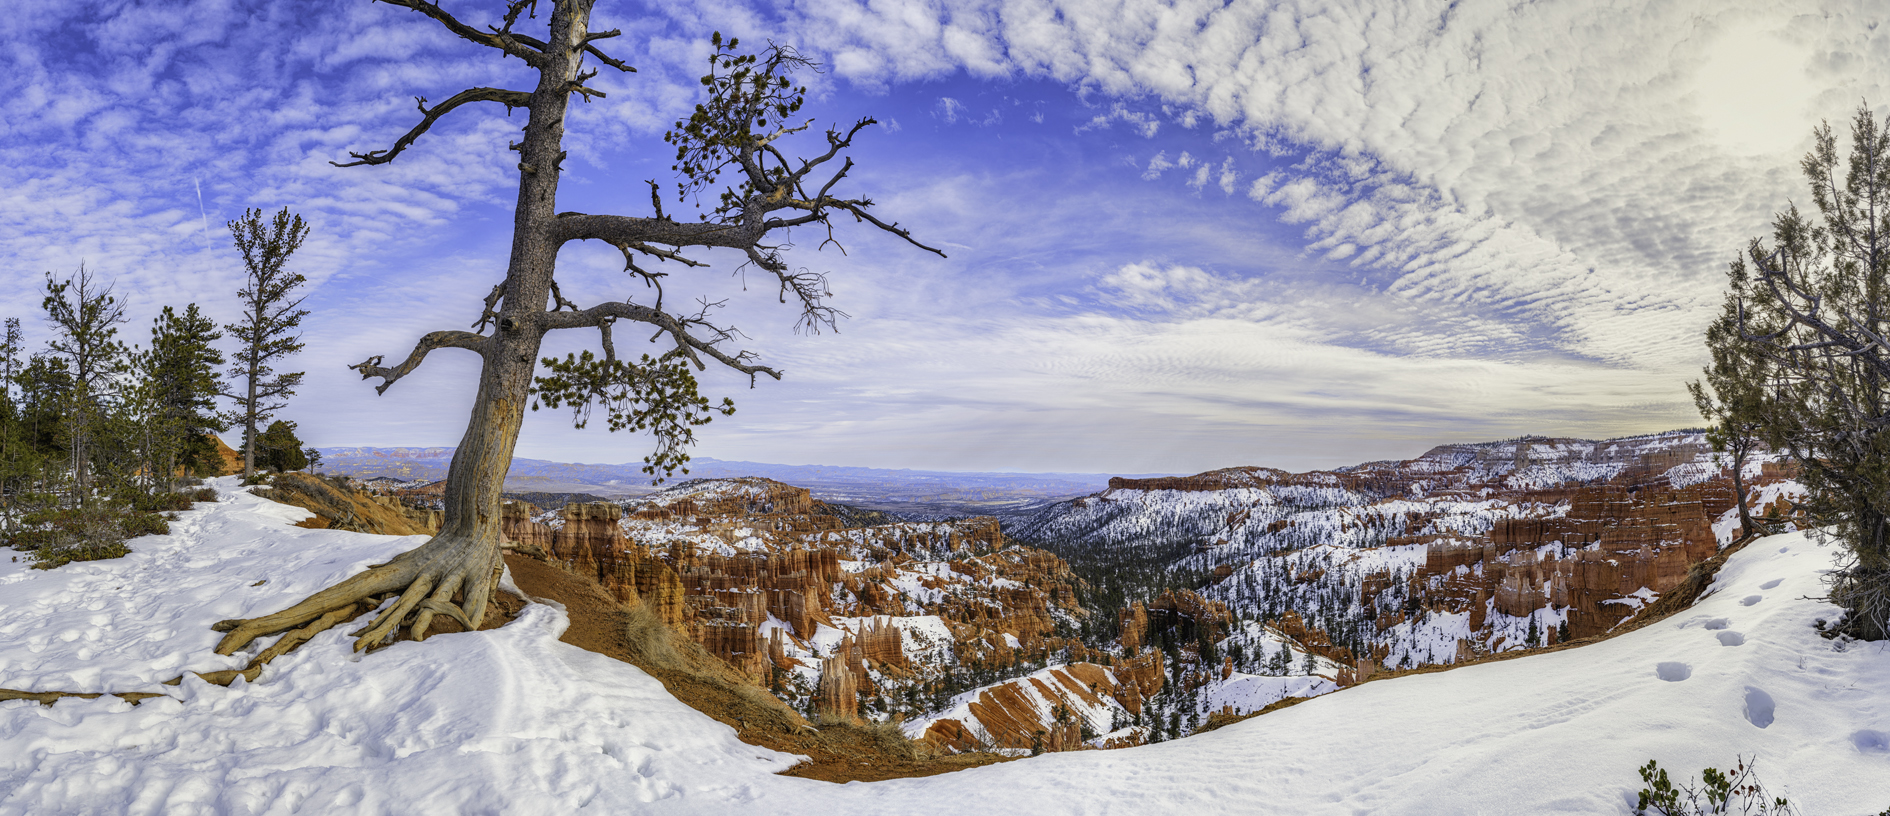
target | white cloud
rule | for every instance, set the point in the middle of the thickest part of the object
(1157, 165)
(1142, 123)
(1513, 217)
(1506, 151)
(950, 110)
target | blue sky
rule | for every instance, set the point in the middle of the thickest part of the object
(1182, 235)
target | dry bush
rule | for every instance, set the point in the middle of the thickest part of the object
(342, 506)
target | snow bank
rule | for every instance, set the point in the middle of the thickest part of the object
(508, 721)
(512, 721)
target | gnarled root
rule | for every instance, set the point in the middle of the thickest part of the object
(426, 578)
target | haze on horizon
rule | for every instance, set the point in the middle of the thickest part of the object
(1183, 236)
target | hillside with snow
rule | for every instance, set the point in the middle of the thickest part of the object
(513, 721)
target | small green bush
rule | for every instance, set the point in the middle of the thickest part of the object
(56, 557)
(1717, 793)
(83, 534)
(30, 539)
(204, 494)
(133, 525)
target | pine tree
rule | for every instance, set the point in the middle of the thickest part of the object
(16, 466)
(1813, 308)
(180, 375)
(85, 316)
(1732, 398)
(1534, 637)
(279, 448)
(271, 314)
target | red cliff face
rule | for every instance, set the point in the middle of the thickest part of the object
(1640, 538)
(1488, 534)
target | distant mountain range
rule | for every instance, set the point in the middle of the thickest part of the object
(911, 493)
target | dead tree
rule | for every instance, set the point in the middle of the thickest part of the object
(738, 131)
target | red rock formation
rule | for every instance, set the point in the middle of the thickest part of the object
(883, 645)
(718, 559)
(1011, 715)
(1134, 622)
(1180, 613)
(1139, 678)
(1644, 536)
(839, 695)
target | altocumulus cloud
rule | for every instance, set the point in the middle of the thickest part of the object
(1184, 235)
(1553, 185)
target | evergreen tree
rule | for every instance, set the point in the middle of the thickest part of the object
(180, 375)
(1310, 666)
(1281, 662)
(271, 314)
(17, 465)
(45, 385)
(1813, 308)
(1534, 637)
(85, 317)
(1561, 631)
(1732, 398)
(279, 448)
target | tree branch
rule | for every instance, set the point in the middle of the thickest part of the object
(371, 367)
(676, 328)
(491, 312)
(620, 230)
(529, 49)
(511, 99)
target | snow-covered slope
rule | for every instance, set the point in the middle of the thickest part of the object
(508, 721)
(512, 721)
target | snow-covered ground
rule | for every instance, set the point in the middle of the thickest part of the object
(513, 721)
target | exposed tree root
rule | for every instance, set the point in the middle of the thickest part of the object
(50, 697)
(427, 580)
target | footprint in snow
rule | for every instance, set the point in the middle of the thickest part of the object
(1772, 583)
(1759, 708)
(1673, 672)
(1731, 639)
(1871, 742)
(1751, 599)
(1718, 623)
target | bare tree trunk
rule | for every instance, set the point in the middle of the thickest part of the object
(249, 428)
(1741, 452)
(464, 556)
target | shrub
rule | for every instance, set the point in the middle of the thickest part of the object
(1717, 793)
(204, 494)
(79, 534)
(132, 525)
